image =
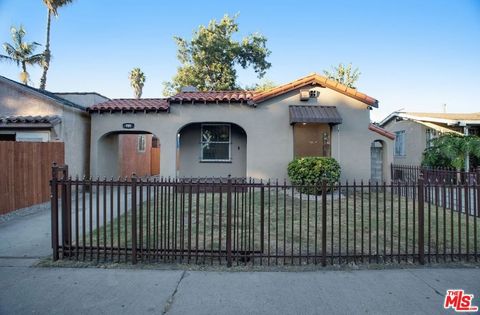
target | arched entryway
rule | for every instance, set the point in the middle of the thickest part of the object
(377, 161)
(121, 154)
(211, 149)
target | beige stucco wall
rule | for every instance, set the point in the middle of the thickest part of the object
(190, 155)
(269, 133)
(415, 141)
(74, 129)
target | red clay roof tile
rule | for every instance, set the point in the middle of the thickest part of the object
(144, 104)
(212, 96)
(381, 131)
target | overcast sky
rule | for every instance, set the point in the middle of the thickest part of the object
(415, 55)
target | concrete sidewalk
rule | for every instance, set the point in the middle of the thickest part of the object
(27, 290)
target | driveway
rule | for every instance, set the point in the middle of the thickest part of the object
(24, 289)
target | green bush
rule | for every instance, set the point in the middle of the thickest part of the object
(312, 171)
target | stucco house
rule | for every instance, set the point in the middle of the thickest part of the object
(29, 114)
(247, 133)
(414, 130)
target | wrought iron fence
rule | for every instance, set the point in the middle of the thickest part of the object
(233, 222)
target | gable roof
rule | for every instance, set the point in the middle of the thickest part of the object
(254, 97)
(132, 104)
(248, 97)
(315, 79)
(42, 93)
(445, 118)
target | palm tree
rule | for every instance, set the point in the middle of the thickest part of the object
(137, 80)
(52, 7)
(21, 52)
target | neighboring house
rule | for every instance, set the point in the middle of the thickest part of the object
(413, 131)
(247, 133)
(28, 114)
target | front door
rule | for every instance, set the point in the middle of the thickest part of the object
(311, 139)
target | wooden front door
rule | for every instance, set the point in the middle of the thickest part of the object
(311, 139)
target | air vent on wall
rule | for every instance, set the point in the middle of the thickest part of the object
(304, 95)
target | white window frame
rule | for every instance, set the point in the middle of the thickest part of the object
(140, 142)
(229, 144)
(402, 148)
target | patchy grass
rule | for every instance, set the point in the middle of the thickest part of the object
(369, 222)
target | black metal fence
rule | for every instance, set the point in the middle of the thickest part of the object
(233, 222)
(411, 173)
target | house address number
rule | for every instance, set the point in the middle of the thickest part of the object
(128, 125)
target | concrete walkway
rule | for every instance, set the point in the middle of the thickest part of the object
(32, 290)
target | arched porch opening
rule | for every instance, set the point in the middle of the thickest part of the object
(211, 149)
(123, 153)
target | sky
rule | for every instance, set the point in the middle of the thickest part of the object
(413, 55)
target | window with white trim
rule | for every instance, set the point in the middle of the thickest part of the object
(400, 143)
(141, 143)
(215, 142)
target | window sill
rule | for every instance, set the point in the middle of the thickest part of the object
(215, 161)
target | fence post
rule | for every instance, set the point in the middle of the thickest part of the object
(134, 218)
(229, 222)
(421, 217)
(66, 213)
(54, 209)
(262, 217)
(324, 223)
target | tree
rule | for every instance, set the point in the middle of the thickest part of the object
(450, 150)
(137, 80)
(344, 74)
(21, 52)
(261, 86)
(52, 7)
(208, 60)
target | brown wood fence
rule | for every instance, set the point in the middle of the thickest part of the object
(25, 172)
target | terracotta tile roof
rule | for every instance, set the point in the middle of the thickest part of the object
(381, 131)
(144, 104)
(213, 96)
(28, 121)
(249, 97)
(315, 78)
(253, 97)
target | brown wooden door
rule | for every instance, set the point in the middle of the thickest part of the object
(155, 161)
(311, 139)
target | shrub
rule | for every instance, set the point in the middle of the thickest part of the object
(311, 171)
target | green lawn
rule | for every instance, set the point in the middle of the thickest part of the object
(389, 224)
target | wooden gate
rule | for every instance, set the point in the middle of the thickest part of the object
(25, 172)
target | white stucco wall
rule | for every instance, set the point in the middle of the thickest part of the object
(74, 129)
(269, 133)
